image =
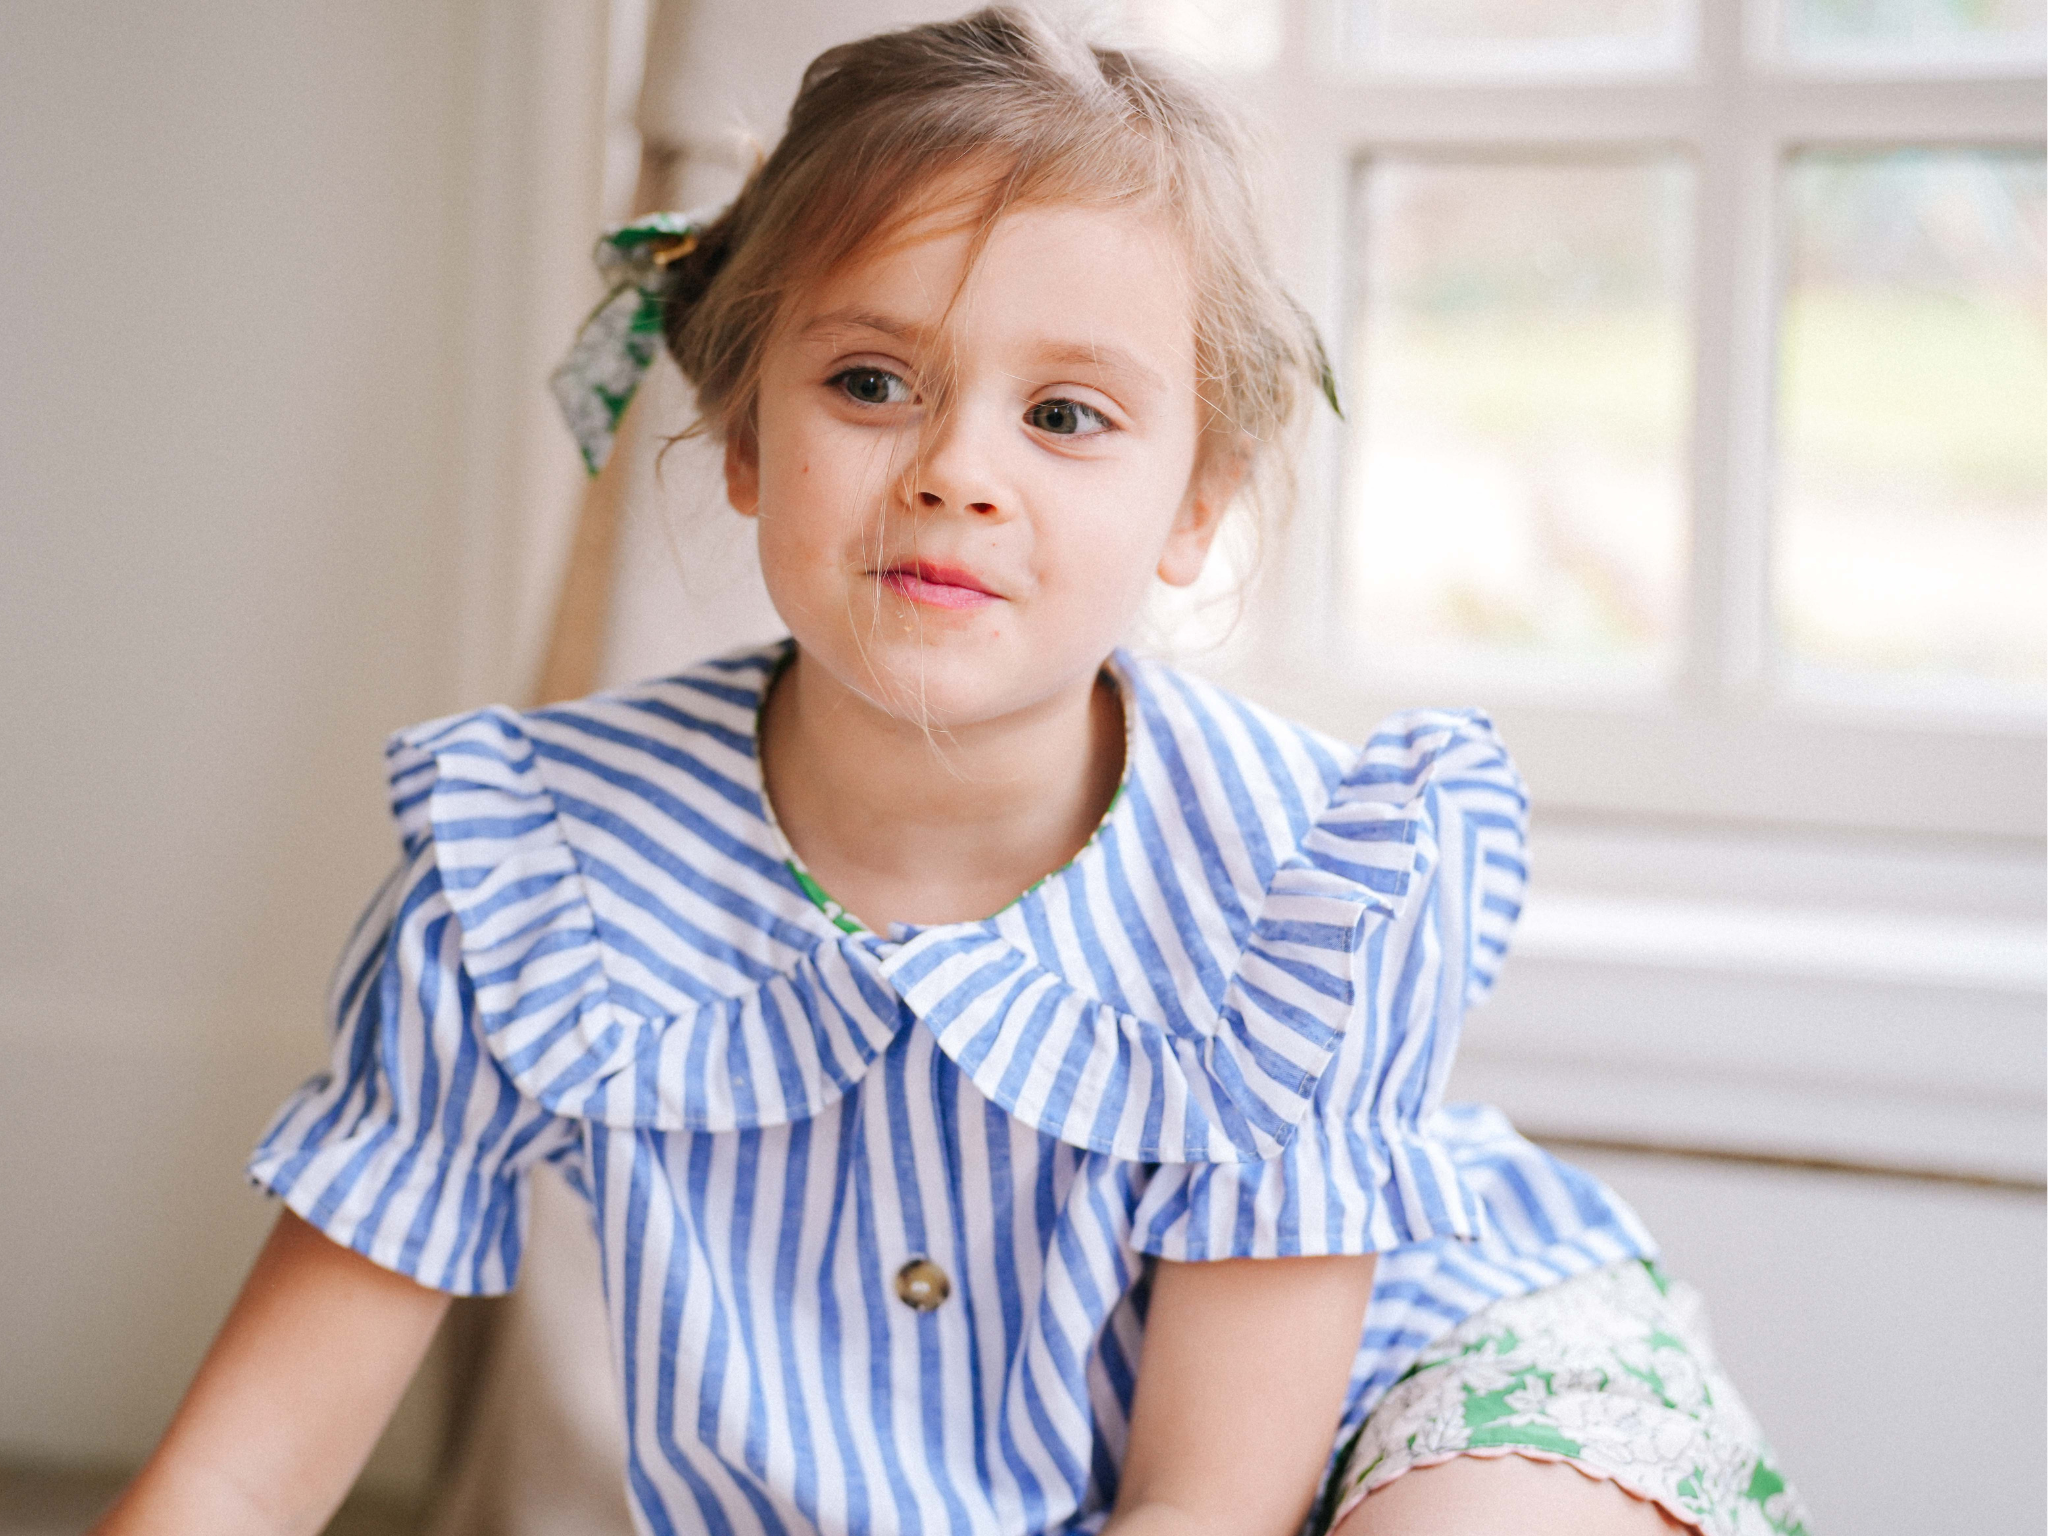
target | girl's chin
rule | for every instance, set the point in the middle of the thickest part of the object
(958, 681)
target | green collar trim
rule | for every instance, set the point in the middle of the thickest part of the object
(842, 919)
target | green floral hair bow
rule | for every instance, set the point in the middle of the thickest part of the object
(616, 345)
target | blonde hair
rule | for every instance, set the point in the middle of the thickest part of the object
(1028, 114)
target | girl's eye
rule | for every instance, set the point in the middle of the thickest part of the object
(872, 386)
(1067, 418)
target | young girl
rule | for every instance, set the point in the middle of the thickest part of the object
(1005, 1073)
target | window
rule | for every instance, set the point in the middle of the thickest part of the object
(1694, 364)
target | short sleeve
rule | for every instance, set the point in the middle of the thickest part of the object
(413, 1148)
(1368, 1170)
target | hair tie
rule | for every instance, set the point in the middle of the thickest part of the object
(616, 345)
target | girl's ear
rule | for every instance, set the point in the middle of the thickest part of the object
(1213, 486)
(743, 473)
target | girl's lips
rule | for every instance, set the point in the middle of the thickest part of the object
(937, 586)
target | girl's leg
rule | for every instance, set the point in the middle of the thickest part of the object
(1592, 1406)
(1503, 1496)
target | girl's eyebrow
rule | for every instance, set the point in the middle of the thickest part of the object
(840, 320)
(1101, 357)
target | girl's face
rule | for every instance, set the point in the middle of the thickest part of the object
(956, 571)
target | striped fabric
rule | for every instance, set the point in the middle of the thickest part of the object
(1222, 1031)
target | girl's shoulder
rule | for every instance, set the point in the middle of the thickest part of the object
(1428, 812)
(685, 741)
(1410, 756)
(621, 901)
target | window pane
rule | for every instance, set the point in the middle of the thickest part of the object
(1912, 388)
(1519, 392)
(1920, 33)
(1518, 37)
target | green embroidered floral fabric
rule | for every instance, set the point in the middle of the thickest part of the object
(616, 346)
(1610, 1371)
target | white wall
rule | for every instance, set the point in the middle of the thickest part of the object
(232, 332)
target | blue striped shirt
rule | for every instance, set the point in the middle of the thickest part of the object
(1223, 1030)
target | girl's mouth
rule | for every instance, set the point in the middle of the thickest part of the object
(936, 586)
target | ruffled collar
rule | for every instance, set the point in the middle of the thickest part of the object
(641, 954)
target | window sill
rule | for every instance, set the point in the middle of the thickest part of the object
(1878, 1008)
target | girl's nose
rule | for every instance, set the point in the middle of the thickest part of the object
(955, 472)
(932, 501)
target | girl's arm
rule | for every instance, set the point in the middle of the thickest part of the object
(1239, 1389)
(289, 1400)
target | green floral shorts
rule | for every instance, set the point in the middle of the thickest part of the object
(1610, 1372)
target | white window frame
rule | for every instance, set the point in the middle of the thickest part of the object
(1722, 743)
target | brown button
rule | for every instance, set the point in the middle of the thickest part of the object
(922, 1284)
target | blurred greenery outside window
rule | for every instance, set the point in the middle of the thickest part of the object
(1911, 410)
(1916, 34)
(1517, 481)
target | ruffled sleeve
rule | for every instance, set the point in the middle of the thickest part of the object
(1364, 1172)
(414, 1147)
